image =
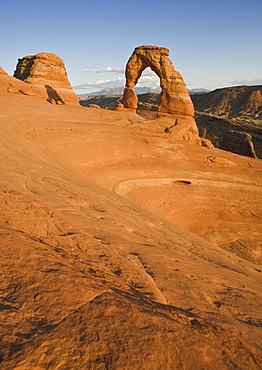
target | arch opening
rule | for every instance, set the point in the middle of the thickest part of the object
(148, 93)
(148, 80)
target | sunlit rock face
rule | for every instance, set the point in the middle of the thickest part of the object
(11, 85)
(175, 102)
(46, 74)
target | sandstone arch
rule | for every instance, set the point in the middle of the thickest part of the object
(175, 102)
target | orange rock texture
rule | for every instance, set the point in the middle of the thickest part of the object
(46, 74)
(231, 102)
(175, 102)
(2, 71)
(122, 246)
(12, 85)
(238, 142)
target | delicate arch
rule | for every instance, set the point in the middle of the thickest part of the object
(175, 100)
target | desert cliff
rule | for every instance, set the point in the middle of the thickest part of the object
(231, 102)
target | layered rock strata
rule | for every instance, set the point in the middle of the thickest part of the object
(238, 142)
(175, 102)
(9, 84)
(46, 74)
(231, 102)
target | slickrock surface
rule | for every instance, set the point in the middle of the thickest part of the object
(175, 102)
(46, 74)
(11, 85)
(2, 72)
(98, 270)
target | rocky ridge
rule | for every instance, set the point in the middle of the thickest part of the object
(216, 129)
(243, 102)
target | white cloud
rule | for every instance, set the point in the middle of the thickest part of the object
(114, 70)
(107, 69)
(101, 83)
(247, 81)
(91, 70)
(148, 72)
(148, 80)
(189, 74)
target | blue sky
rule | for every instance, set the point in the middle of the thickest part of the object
(212, 43)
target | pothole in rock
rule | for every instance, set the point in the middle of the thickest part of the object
(182, 182)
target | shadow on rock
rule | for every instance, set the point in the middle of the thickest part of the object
(53, 96)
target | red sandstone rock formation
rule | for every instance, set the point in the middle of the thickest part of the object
(2, 71)
(12, 85)
(46, 73)
(119, 107)
(231, 102)
(238, 142)
(175, 102)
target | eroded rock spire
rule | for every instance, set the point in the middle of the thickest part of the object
(46, 74)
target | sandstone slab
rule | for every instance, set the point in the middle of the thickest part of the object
(98, 270)
(2, 72)
(12, 85)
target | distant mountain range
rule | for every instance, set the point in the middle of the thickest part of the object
(239, 102)
(138, 90)
(200, 91)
